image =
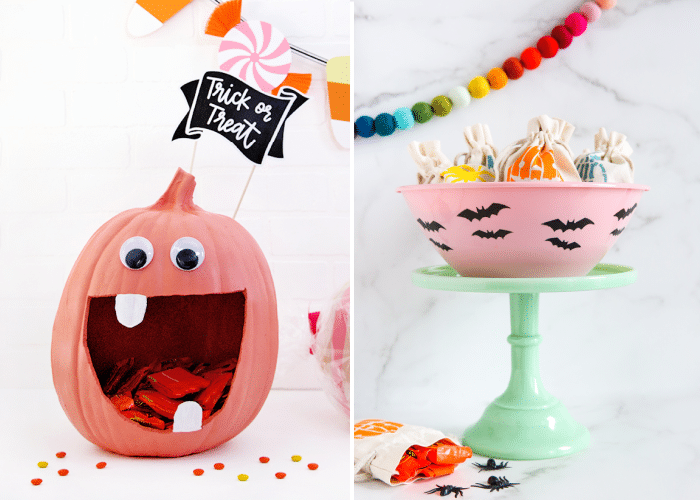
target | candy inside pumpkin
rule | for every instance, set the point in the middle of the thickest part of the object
(167, 287)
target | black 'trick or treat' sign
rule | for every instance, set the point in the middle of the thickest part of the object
(251, 120)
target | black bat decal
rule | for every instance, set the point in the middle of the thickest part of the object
(482, 212)
(624, 213)
(501, 233)
(431, 226)
(558, 225)
(617, 232)
(563, 244)
(441, 246)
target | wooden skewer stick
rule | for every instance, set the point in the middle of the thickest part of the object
(245, 188)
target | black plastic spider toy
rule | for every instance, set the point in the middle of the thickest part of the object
(447, 489)
(495, 484)
(491, 465)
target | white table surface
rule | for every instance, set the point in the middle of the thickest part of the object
(292, 422)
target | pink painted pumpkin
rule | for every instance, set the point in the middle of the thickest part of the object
(207, 293)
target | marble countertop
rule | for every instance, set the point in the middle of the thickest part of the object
(624, 361)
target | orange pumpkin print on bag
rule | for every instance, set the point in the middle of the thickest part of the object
(373, 427)
(533, 165)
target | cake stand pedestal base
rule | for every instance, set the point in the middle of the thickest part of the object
(525, 422)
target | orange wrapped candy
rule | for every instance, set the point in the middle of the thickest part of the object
(177, 382)
(208, 397)
(436, 460)
(397, 454)
(122, 401)
(160, 404)
(144, 419)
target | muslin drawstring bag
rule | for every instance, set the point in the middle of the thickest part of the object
(610, 160)
(478, 163)
(399, 454)
(544, 154)
(430, 160)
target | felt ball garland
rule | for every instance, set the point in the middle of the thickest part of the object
(531, 58)
(422, 112)
(441, 105)
(548, 46)
(563, 36)
(513, 68)
(385, 124)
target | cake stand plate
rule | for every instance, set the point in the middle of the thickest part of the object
(525, 422)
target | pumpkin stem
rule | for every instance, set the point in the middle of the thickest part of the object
(178, 194)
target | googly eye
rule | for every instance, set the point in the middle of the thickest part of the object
(136, 252)
(187, 254)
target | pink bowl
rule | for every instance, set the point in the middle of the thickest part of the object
(523, 229)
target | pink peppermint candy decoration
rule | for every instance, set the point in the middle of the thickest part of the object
(257, 53)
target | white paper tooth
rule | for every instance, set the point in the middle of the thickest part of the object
(130, 308)
(188, 417)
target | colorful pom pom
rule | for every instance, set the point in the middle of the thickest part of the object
(384, 124)
(459, 96)
(513, 68)
(531, 58)
(365, 126)
(497, 78)
(562, 36)
(422, 112)
(547, 46)
(478, 87)
(404, 118)
(606, 4)
(590, 11)
(576, 23)
(441, 105)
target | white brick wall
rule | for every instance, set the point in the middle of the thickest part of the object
(86, 119)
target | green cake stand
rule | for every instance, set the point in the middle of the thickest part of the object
(525, 422)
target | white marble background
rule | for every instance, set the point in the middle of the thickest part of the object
(624, 360)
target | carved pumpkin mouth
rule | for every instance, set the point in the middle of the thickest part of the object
(132, 337)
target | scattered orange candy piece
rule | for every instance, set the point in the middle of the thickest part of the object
(280, 475)
(218, 466)
(61, 454)
(101, 465)
(36, 482)
(198, 472)
(264, 460)
(313, 466)
(63, 472)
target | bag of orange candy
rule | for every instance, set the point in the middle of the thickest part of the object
(543, 155)
(397, 454)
